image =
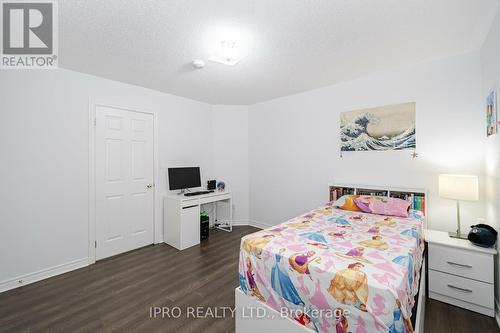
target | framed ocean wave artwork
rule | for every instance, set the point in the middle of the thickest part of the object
(390, 127)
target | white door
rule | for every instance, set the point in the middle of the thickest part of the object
(124, 180)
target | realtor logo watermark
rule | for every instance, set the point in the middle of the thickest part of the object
(29, 34)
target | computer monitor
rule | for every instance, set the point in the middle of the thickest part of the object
(182, 178)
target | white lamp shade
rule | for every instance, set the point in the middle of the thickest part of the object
(459, 187)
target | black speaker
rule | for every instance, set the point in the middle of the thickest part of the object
(482, 235)
(211, 185)
(204, 227)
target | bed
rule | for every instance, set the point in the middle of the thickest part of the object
(332, 270)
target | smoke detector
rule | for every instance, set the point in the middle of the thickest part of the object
(198, 63)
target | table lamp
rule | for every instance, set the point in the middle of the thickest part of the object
(459, 188)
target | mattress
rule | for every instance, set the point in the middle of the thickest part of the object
(333, 270)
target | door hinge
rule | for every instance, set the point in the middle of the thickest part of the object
(95, 244)
(95, 121)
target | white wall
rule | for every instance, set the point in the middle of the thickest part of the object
(230, 155)
(490, 63)
(44, 148)
(276, 157)
(294, 141)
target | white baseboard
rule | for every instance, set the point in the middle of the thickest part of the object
(23, 280)
(240, 222)
(26, 279)
(258, 224)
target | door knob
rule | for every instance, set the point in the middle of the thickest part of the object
(149, 185)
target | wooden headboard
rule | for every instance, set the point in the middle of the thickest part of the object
(416, 197)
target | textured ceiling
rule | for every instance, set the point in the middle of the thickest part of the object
(292, 45)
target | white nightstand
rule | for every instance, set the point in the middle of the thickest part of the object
(461, 273)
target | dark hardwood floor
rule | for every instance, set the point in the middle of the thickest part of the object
(441, 317)
(117, 294)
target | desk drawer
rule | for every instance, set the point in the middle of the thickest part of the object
(472, 265)
(467, 290)
(214, 198)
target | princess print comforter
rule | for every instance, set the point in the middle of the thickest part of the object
(337, 271)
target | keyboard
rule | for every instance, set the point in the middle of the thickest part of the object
(191, 194)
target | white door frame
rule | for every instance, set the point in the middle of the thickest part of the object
(157, 220)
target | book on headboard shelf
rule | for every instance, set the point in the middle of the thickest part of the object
(366, 191)
(337, 192)
(416, 197)
(417, 200)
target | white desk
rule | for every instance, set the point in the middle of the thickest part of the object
(181, 217)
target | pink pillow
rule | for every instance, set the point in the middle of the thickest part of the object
(383, 205)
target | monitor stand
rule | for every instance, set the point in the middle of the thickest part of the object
(181, 192)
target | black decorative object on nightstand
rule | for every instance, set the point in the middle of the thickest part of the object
(482, 235)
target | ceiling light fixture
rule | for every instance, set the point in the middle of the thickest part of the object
(227, 53)
(227, 42)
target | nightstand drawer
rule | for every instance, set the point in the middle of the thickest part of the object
(470, 291)
(472, 265)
